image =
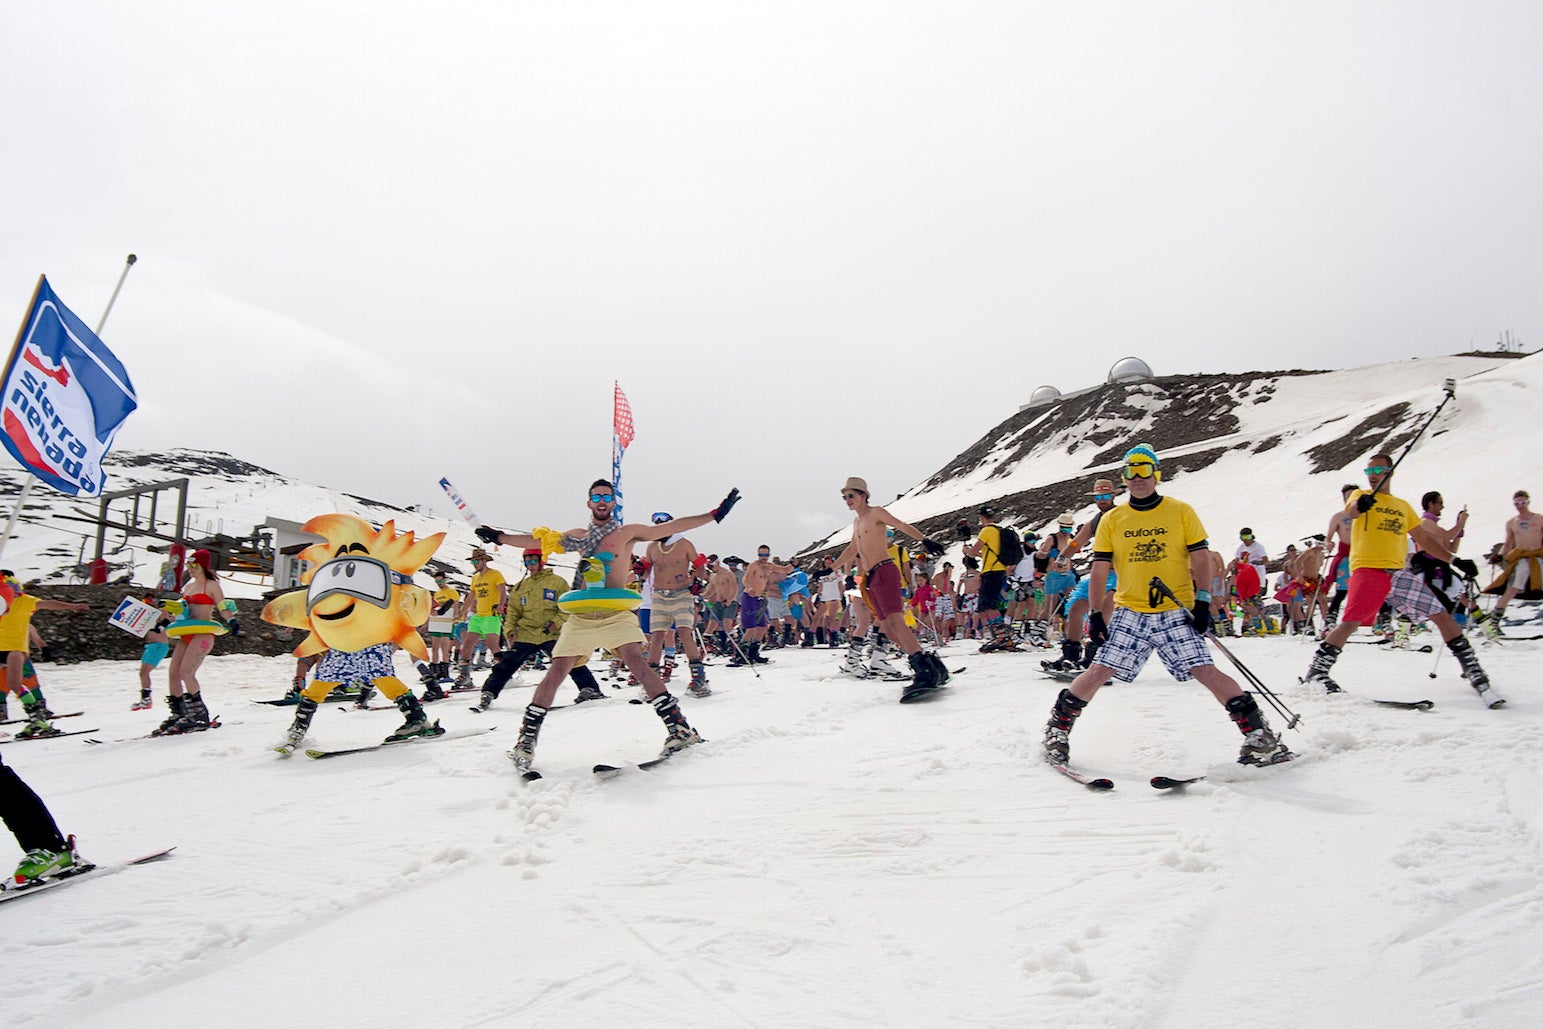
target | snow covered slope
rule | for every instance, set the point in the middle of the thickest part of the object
(1266, 450)
(830, 858)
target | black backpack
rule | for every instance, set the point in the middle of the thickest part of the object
(1011, 547)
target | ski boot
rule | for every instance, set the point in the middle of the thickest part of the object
(523, 753)
(195, 716)
(41, 863)
(852, 663)
(433, 692)
(366, 694)
(880, 664)
(588, 693)
(484, 702)
(1067, 709)
(1472, 671)
(175, 704)
(463, 677)
(940, 672)
(38, 726)
(1260, 744)
(417, 723)
(144, 703)
(698, 685)
(298, 728)
(1318, 671)
(679, 739)
(923, 682)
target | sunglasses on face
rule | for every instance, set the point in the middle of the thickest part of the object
(764, 553)
(1143, 470)
(1103, 496)
(850, 496)
(1378, 469)
(601, 498)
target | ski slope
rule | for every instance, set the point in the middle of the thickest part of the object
(830, 858)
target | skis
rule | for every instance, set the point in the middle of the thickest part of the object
(1406, 705)
(611, 771)
(55, 736)
(10, 891)
(1162, 782)
(1088, 781)
(51, 718)
(442, 734)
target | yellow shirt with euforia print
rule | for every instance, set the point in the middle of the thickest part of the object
(1143, 544)
(1380, 537)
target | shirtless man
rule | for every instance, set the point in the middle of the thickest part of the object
(675, 566)
(761, 576)
(868, 554)
(1338, 536)
(616, 631)
(1523, 552)
(947, 617)
(719, 596)
(1220, 616)
(1310, 575)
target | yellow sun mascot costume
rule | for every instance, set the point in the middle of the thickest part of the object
(360, 605)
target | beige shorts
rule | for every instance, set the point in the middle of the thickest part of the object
(582, 634)
(672, 609)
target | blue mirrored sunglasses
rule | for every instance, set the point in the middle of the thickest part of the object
(1103, 496)
(601, 498)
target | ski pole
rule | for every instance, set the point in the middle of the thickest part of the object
(1450, 386)
(1439, 652)
(1158, 588)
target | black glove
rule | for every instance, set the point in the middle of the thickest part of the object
(488, 534)
(1200, 616)
(932, 546)
(721, 511)
(1098, 632)
(46, 652)
(1366, 503)
(1466, 568)
(235, 626)
(963, 528)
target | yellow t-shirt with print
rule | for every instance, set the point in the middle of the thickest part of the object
(444, 597)
(13, 624)
(484, 591)
(1142, 544)
(1380, 537)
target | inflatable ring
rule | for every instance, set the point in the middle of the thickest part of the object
(194, 627)
(599, 598)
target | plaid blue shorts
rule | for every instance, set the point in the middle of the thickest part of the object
(1133, 636)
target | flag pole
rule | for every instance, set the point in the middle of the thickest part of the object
(26, 486)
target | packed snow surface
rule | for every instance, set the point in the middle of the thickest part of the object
(828, 858)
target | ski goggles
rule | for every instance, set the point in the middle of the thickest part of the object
(1378, 469)
(660, 517)
(601, 498)
(1138, 470)
(363, 578)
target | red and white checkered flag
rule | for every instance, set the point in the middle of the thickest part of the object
(621, 423)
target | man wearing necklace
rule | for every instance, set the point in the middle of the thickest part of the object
(616, 631)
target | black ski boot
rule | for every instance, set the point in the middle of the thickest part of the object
(1318, 671)
(524, 752)
(417, 723)
(1463, 651)
(681, 734)
(1067, 709)
(299, 727)
(924, 681)
(175, 704)
(1260, 744)
(195, 717)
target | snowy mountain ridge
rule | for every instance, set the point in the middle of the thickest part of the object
(1267, 449)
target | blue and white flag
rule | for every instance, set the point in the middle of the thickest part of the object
(65, 396)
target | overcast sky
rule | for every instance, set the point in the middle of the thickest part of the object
(383, 242)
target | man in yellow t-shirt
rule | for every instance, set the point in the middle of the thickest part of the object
(14, 623)
(1154, 539)
(993, 576)
(486, 600)
(1379, 549)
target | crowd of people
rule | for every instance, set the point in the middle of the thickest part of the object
(1136, 578)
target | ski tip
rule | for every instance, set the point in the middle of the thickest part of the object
(1162, 782)
(530, 775)
(606, 769)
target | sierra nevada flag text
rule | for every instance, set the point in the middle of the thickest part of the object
(65, 397)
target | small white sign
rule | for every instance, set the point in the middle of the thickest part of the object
(135, 617)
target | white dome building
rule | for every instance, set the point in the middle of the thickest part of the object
(1130, 369)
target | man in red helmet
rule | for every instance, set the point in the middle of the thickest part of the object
(531, 624)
